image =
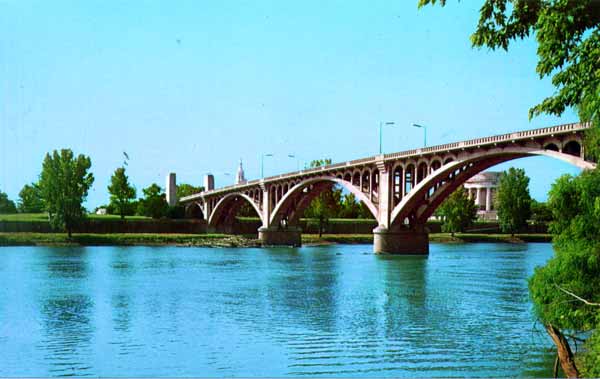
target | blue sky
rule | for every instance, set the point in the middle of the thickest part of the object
(192, 87)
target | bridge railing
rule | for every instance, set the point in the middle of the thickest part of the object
(540, 132)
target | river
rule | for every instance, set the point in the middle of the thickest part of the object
(314, 311)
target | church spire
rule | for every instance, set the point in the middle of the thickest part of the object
(240, 178)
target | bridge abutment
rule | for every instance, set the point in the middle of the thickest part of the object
(413, 241)
(290, 236)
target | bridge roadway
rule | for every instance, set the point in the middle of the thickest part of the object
(402, 190)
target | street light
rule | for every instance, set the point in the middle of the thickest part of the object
(424, 133)
(388, 123)
(262, 164)
(297, 161)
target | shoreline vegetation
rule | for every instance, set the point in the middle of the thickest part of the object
(225, 240)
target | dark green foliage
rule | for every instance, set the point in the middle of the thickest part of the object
(327, 204)
(121, 193)
(457, 212)
(64, 185)
(349, 207)
(185, 189)
(176, 212)
(247, 210)
(30, 199)
(574, 271)
(540, 212)
(568, 36)
(6, 205)
(513, 201)
(154, 203)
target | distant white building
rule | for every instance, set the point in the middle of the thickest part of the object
(240, 178)
(101, 211)
(482, 189)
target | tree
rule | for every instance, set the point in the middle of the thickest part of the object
(568, 37)
(540, 212)
(457, 212)
(6, 205)
(154, 203)
(513, 201)
(30, 199)
(565, 290)
(349, 207)
(121, 192)
(326, 204)
(64, 185)
(185, 189)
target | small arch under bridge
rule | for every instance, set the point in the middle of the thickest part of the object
(402, 190)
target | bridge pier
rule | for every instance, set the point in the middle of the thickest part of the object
(290, 236)
(413, 241)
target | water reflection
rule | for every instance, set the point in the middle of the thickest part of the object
(66, 312)
(327, 311)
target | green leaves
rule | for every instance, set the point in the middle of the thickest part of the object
(64, 185)
(513, 201)
(568, 37)
(457, 211)
(6, 205)
(154, 203)
(121, 192)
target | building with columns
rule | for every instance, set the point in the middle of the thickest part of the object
(482, 189)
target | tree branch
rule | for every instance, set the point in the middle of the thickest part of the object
(577, 297)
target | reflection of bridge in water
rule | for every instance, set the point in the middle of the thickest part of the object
(402, 190)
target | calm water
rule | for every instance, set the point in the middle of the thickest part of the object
(331, 311)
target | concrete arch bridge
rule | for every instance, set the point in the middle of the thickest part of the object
(402, 190)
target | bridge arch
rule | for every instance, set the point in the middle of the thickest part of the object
(420, 203)
(295, 199)
(226, 207)
(194, 210)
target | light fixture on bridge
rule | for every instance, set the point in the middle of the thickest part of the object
(381, 124)
(297, 161)
(424, 133)
(262, 164)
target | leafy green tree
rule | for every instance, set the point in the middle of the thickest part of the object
(154, 203)
(565, 290)
(364, 211)
(513, 201)
(6, 205)
(30, 199)
(185, 189)
(349, 208)
(327, 204)
(457, 212)
(64, 185)
(568, 38)
(540, 212)
(121, 192)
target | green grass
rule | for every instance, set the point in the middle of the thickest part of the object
(433, 237)
(43, 217)
(129, 239)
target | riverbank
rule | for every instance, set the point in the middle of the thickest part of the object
(224, 240)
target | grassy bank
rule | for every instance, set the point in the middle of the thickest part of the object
(129, 239)
(43, 217)
(311, 239)
(223, 240)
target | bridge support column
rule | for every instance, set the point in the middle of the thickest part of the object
(290, 236)
(413, 241)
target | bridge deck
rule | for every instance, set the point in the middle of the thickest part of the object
(448, 147)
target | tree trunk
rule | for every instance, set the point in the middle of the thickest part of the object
(565, 355)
